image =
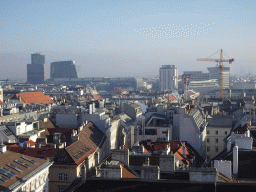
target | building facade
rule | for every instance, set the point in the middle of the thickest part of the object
(63, 69)
(36, 73)
(214, 74)
(168, 75)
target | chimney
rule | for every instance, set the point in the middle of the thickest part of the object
(235, 160)
(45, 120)
(90, 109)
(53, 145)
(147, 161)
(26, 145)
(74, 136)
(228, 146)
(93, 107)
(38, 145)
(3, 147)
(184, 150)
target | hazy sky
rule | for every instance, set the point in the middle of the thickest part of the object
(127, 37)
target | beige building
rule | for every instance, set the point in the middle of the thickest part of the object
(219, 127)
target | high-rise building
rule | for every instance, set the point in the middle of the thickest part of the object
(36, 70)
(168, 75)
(63, 69)
(214, 74)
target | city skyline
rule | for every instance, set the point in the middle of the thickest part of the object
(127, 38)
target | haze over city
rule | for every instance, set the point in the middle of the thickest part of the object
(127, 38)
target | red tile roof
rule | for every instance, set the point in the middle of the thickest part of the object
(32, 143)
(177, 148)
(242, 129)
(126, 172)
(97, 97)
(33, 97)
(190, 93)
(1, 102)
(171, 97)
(39, 152)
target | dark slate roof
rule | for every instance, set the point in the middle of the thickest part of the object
(155, 115)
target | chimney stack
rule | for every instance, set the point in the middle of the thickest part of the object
(147, 161)
(228, 146)
(3, 147)
(184, 150)
(235, 160)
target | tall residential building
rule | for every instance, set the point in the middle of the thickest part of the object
(168, 75)
(214, 74)
(63, 69)
(36, 72)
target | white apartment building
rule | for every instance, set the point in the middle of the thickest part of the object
(219, 127)
(168, 75)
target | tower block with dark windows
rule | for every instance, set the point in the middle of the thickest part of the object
(63, 69)
(36, 73)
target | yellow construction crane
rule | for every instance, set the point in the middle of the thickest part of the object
(220, 65)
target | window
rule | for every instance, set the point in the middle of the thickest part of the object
(217, 132)
(226, 132)
(216, 140)
(150, 132)
(208, 131)
(208, 140)
(63, 177)
(61, 189)
(208, 149)
(216, 149)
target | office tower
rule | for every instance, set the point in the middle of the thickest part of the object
(36, 70)
(214, 74)
(63, 69)
(168, 75)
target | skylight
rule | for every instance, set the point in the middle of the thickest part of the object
(7, 172)
(21, 163)
(76, 156)
(14, 167)
(30, 160)
(3, 179)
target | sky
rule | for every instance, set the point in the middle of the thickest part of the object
(127, 38)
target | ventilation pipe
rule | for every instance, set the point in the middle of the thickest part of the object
(228, 146)
(235, 160)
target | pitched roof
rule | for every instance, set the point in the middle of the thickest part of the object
(177, 149)
(10, 157)
(33, 97)
(38, 152)
(65, 131)
(1, 102)
(97, 96)
(190, 93)
(90, 139)
(32, 143)
(126, 172)
(242, 129)
(171, 97)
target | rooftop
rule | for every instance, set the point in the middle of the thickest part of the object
(16, 166)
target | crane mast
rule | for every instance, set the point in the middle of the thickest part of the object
(220, 65)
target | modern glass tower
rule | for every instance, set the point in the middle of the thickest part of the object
(36, 70)
(63, 69)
